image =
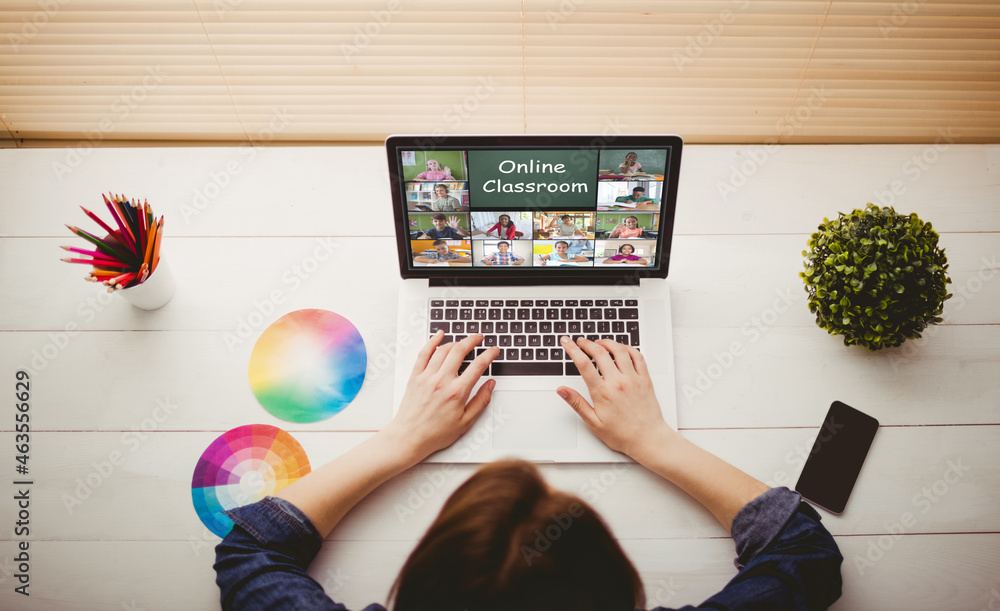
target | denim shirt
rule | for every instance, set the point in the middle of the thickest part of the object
(786, 559)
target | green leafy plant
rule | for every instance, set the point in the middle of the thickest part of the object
(876, 277)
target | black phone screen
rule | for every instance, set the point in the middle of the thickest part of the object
(835, 461)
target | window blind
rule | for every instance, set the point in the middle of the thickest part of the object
(797, 71)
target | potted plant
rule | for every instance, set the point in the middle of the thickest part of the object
(876, 277)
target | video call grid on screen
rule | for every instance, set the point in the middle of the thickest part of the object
(513, 208)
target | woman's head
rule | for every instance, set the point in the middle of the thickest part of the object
(504, 220)
(505, 540)
(626, 249)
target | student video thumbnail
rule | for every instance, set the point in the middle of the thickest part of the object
(636, 195)
(438, 226)
(501, 225)
(563, 225)
(563, 253)
(627, 225)
(434, 166)
(640, 253)
(646, 164)
(501, 253)
(441, 253)
(437, 196)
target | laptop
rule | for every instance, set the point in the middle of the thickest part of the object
(525, 239)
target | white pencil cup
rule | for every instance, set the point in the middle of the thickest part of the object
(155, 292)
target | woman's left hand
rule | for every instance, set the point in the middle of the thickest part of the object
(436, 409)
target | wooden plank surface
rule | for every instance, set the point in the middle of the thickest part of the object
(125, 401)
(724, 189)
(953, 572)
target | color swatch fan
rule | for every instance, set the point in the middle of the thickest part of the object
(243, 466)
(308, 365)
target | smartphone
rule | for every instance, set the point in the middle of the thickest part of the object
(835, 461)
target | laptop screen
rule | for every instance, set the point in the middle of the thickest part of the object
(543, 206)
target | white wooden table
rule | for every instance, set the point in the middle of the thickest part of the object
(123, 401)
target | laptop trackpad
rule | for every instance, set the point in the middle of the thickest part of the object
(527, 420)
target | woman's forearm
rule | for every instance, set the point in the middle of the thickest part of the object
(327, 494)
(720, 487)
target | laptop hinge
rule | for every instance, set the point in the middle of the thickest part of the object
(495, 280)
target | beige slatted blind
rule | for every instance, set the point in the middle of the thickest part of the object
(110, 71)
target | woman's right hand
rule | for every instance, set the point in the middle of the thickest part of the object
(625, 415)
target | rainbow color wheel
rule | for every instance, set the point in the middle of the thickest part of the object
(243, 466)
(308, 365)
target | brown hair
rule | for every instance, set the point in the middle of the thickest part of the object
(505, 540)
(439, 217)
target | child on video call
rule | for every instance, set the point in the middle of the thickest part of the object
(435, 172)
(630, 229)
(504, 228)
(502, 257)
(441, 253)
(631, 165)
(625, 256)
(559, 254)
(562, 226)
(445, 228)
(444, 202)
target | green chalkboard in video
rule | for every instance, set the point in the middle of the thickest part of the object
(533, 179)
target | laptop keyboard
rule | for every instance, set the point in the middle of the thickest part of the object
(527, 331)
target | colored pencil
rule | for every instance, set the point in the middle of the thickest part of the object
(122, 279)
(120, 216)
(156, 247)
(84, 251)
(100, 244)
(98, 262)
(98, 220)
(126, 256)
(148, 255)
(99, 257)
(144, 225)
